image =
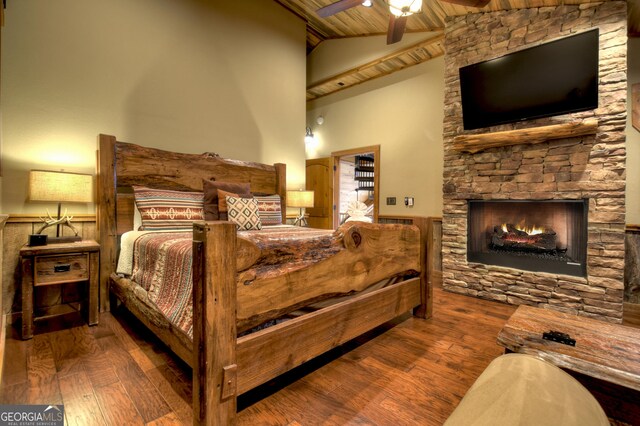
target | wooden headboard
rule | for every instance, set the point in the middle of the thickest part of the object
(121, 165)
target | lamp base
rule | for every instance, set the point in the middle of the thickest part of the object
(60, 240)
(301, 221)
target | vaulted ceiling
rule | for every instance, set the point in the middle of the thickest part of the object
(363, 21)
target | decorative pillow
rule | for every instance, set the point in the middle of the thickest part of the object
(222, 200)
(244, 213)
(137, 219)
(211, 187)
(167, 209)
(269, 209)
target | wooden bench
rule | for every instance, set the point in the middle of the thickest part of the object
(606, 357)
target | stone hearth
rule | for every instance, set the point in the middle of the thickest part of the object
(586, 167)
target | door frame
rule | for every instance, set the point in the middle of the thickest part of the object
(337, 155)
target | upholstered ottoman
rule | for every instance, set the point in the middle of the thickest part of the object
(519, 389)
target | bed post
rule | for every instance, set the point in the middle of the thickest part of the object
(105, 214)
(424, 310)
(214, 323)
(281, 187)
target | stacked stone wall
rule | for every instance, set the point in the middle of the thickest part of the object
(591, 167)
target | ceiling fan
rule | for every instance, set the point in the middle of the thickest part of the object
(400, 11)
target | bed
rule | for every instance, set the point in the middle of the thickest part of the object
(238, 282)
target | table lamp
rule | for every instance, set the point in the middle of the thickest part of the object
(60, 187)
(301, 200)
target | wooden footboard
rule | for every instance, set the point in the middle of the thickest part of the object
(225, 367)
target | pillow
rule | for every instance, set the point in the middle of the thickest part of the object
(222, 200)
(137, 219)
(167, 209)
(244, 213)
(211, 187)
(269, 209)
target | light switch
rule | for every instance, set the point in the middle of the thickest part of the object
(408, 201)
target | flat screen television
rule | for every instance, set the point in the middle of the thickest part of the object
(554, 78)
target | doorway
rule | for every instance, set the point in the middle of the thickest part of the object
(356, 181)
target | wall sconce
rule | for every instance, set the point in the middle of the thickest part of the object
(309, 139)
(60, 187)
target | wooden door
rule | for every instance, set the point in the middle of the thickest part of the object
(319, 175)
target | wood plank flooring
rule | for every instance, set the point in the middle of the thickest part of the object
(407, 372)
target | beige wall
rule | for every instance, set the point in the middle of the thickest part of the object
(633, 137)
(188, 75)
(402, 113)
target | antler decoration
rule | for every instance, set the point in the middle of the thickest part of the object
(64, 220)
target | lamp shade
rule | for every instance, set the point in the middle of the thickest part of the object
(60, 187)
(300, 199)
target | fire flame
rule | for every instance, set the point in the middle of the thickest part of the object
(533, 230)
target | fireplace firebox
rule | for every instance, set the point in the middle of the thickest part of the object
(545, 236)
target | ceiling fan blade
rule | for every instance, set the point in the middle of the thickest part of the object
(396, 28)
(469, 3)
(336, 7)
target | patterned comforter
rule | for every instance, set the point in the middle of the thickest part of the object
(162, 264)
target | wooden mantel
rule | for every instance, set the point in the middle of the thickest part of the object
(479, 142)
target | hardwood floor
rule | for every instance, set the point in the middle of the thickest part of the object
(407, 372)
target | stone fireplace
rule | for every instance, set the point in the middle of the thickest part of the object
(577, 183)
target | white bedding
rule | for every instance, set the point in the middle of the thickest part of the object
(125, 259)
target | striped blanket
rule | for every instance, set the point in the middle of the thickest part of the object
(162, 264)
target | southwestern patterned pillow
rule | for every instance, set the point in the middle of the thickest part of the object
(167, 209)
(210, 189)
(269, 209)
(244, 213)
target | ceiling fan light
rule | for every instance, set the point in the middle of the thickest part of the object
(404, 7)
(367, 3)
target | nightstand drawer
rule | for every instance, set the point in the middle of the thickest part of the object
(62, 268)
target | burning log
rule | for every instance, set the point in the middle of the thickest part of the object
(510, 237)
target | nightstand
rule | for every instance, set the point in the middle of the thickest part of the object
(59, 264)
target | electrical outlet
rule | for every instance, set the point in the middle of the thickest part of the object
(408, 201)
(391, 201)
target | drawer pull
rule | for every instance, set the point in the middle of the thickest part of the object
(62, 268)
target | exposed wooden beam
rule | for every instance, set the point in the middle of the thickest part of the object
(385, 65)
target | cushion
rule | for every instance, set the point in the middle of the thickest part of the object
(211, 187)
(269, 209)
(222, 200)
(244, 213)
(520, 389)
(168, 209)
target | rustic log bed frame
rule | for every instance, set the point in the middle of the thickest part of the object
(226, 365)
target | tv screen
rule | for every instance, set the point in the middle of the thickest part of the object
(554, 78)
